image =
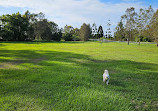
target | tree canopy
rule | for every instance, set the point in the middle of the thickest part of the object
(85, 32)
(133, 26)
(17, 27)
(100, 32)
(141, 26)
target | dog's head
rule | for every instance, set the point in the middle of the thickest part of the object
(106, 71)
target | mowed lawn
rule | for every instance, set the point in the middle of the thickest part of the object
(67, 76)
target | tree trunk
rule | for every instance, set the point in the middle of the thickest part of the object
(129, 37)
(128, 40)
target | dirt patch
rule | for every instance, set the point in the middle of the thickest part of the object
(80, 60)
(7, 66)
(37, 60)
(13, 63)
(20, 61)
(17, 62)
(154, 104)
(100, 61)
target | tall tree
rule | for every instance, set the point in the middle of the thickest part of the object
(154, 27)
(0, 29)
(32, 18)
(85, 32)
(17, 27)
(100, 32)
(120, 31)
(94, 30)
(75, 34)
(46, 30)
(57, 35)
(68, 32)
(14, 27)
(130, 23)
(40, 16)
(143, 19)
(55, 31)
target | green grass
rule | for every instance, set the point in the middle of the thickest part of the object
(67, 76)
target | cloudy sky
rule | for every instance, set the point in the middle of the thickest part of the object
(76, 12)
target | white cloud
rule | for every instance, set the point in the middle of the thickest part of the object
(74, 12)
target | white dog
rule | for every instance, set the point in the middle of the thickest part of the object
(106, 77)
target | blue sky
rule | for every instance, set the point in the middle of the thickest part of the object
(76, 12)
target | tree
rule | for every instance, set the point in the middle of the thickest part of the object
(14, 27)
(40, 28)
(40, 16)
(32, 18)
(94, 30)
(85, 32)
(17, 27)
(57, 35)
(68, 31)
(154, 26)
(0, 29)
(56, 32)
(120, 31)
(100, 32)
(46, 33)
(130, 23)
(75, 34)
(143, 20)
(46, 30)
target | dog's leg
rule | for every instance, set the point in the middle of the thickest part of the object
(107, 82)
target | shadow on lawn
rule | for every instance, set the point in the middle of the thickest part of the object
(123, 69)
(59, 72)
(1, 44)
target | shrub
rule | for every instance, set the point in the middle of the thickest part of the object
(57, 36)
(67, 37)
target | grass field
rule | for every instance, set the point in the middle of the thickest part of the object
(67, 76)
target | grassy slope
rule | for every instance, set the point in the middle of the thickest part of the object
(68, 76)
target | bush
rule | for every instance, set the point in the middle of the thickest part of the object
(67, 37)
(142, 39)
(57, 36)
(75, 38)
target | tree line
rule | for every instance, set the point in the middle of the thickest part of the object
(133, 26)
(17, 27)
(30, 26)
(139, 27)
